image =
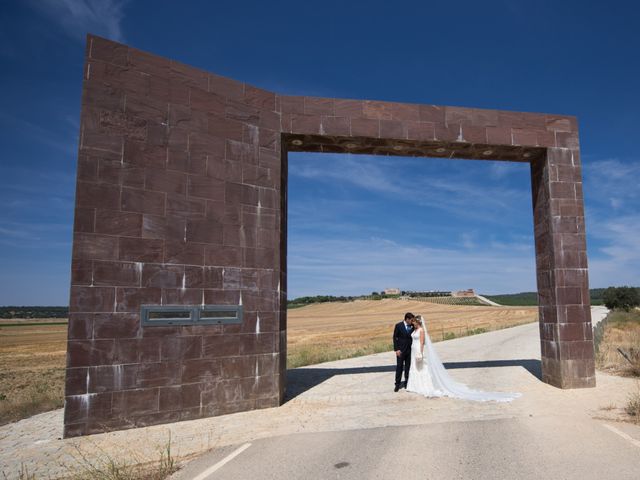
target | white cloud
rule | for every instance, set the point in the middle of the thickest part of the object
(79, 17)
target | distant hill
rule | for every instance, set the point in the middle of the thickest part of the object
(531, 298)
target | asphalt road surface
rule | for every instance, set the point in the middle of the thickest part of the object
(376, 434)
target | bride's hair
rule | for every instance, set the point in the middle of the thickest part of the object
(418, 319)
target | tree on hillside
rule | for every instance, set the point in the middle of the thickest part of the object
(622, 298)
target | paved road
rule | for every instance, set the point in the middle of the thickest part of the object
(548, 433)
(524, 449)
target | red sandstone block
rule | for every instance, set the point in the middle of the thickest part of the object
(242, 112)
(166, 181)
(431, 113)
(81, 272)
(569, 296)
(115, 222)
(226, 87)
(570, 332)
(260, 176)
(471, 116)
(567, 140)
(83, 353)
(568, 173)
(365, 127)
(222, 127)
(212, 277)
(335, 126)
(204, 231)
(546, 139)
(568, 224)
(448, 133)
(76, 381)
(108, 378)
(393, 129)
(92, 195)
(193, 277)
(222, 297)
(259, 98)
(348, 108)
(222, 346)
(189, 75)
(319, 106)
(100, 98)
(473, 134)
(270, 120)
(107, 51)
(206, 187)
(183, 253)
(87, 168)
(499, 136)
(420, 130)
(562, 190)
(233, 236)
(147, 108)
(561, 123)
(84, 220)
(242, 152)
(207, 102)
(179, 206)
(116, 325)
(137, 350)
(578, 350)
(163, 276)
(174, 349)
(578, 314)
(130, 403)
(116, 274)
(131, 299)
(309, 124)
(142, 155)
(80, 327)
(200, 369)
(204, 144)
(379, 110)
(269, 139)
(95, 247)
(167, 228)
(148, 63)
(561, 156)
(180, 397)
(524, 137)
(118, 173)
(222, 256)
(291, 104)
(140, 249)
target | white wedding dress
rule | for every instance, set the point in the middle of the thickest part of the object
(428, 377)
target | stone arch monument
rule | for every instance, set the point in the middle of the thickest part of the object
(178, 287)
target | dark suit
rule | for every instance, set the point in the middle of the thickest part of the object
(402, 341)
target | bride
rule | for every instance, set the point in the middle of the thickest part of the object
(428, 376)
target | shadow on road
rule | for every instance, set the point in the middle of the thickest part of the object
(299, 380)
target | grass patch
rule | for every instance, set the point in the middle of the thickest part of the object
(26, 395)
(633, 406)
(108, 468)
(301, 355)
(617, 341)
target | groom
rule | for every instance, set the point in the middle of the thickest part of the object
(402, 346)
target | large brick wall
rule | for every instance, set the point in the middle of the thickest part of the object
(181, 200)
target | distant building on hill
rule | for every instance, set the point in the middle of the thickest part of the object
(391, 291)
(464, 293)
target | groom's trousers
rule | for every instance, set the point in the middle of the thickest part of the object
(404, 362)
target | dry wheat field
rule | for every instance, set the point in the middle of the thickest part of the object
(32, 357)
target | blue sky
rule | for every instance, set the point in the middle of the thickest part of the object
(357, 223)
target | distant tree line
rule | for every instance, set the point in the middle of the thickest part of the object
(621, 298)
(523, 299)
(34, 312)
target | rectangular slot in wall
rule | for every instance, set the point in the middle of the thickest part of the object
(216, 314)
(156, 315)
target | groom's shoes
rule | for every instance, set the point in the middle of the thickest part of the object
(397, 388)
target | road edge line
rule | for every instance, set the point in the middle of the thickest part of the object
(222, 462)
(627, 437)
